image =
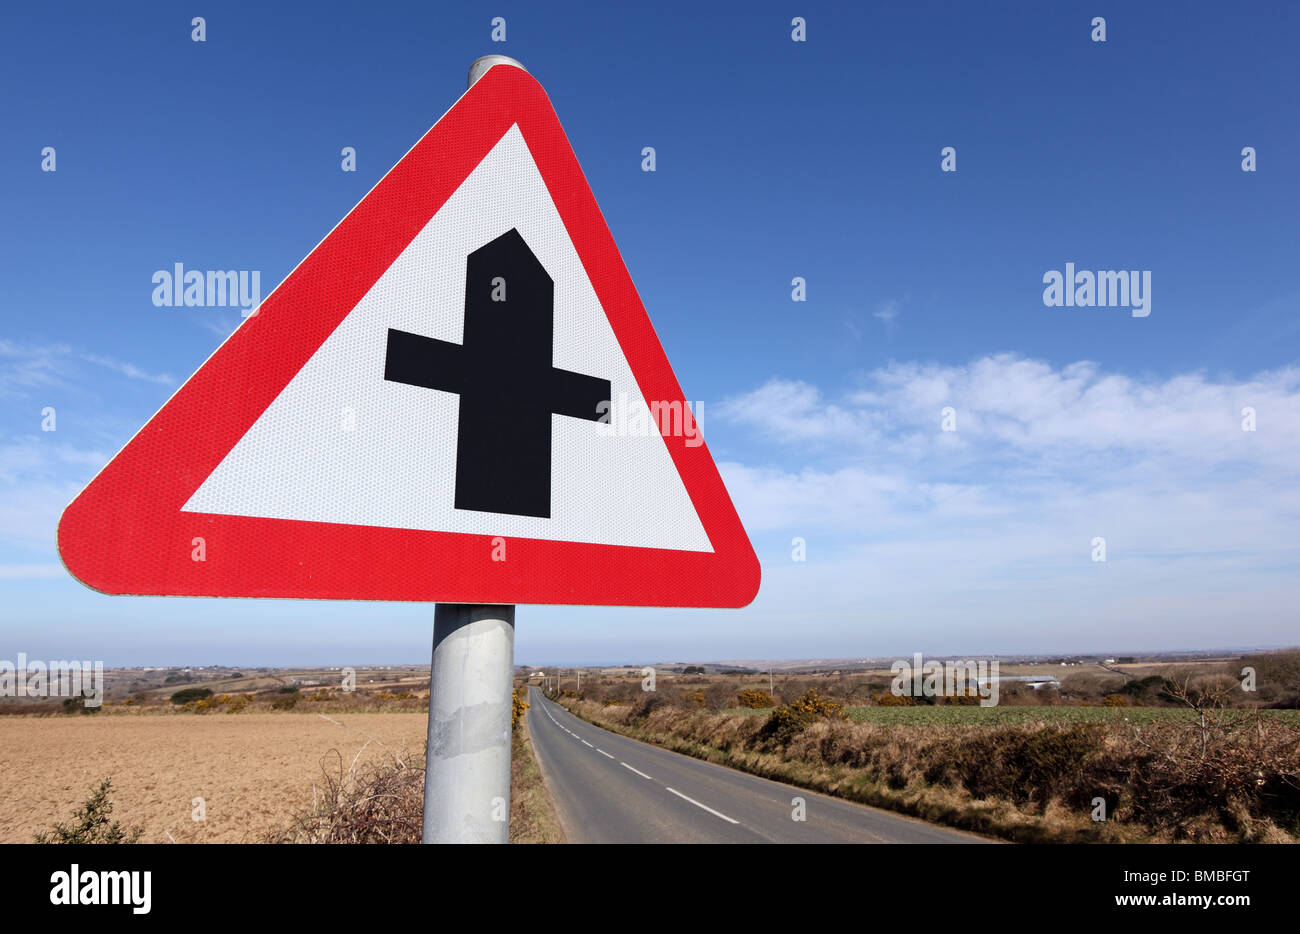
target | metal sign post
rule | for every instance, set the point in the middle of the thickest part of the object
(467, 768)
(471, 680)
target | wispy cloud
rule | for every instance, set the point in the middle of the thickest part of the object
(26, 367)
(888, 312)
(129, 370)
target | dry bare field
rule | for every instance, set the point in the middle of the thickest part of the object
(254, 770)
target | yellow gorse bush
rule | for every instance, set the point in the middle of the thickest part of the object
(755, 699)
(789, 720)
(810, 702)
(519, 705)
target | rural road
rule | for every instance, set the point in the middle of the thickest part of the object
(611, 789)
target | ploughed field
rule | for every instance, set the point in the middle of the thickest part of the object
(254, 770)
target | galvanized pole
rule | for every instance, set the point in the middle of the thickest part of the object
(467, 765)
(467, 769)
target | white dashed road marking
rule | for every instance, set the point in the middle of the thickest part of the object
(730, 820)
(703, 807)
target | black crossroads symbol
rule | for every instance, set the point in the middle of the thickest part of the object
(503, 374)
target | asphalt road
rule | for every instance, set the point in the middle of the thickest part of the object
(611, 789)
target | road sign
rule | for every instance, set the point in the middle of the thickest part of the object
(457, 397)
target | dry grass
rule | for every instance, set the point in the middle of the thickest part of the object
(375, 801)
(382, 801)
(532, 815)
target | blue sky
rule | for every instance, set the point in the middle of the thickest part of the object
(775, 159)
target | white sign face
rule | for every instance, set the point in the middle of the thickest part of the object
(341, 444)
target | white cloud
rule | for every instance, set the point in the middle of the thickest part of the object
(1009, 407)
(793, 411)
(991, 526)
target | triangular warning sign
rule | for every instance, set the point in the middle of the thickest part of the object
(456, 397)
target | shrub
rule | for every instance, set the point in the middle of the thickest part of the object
(78, 705)
(375, 802)
(1287, 702)
(518, 706)
(782, 725)
(1022, 764)
(1148, 690)
(649, 702)
(1234, 770)
(285, 702)
(811, 702)
(92, 823)
(238, 703)
(754, 699)
(1277, 674)
(190, 694)
(789, 720)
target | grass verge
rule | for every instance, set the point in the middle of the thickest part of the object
(382, 801)
(532, 815)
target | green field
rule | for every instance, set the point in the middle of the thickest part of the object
(999, 716)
